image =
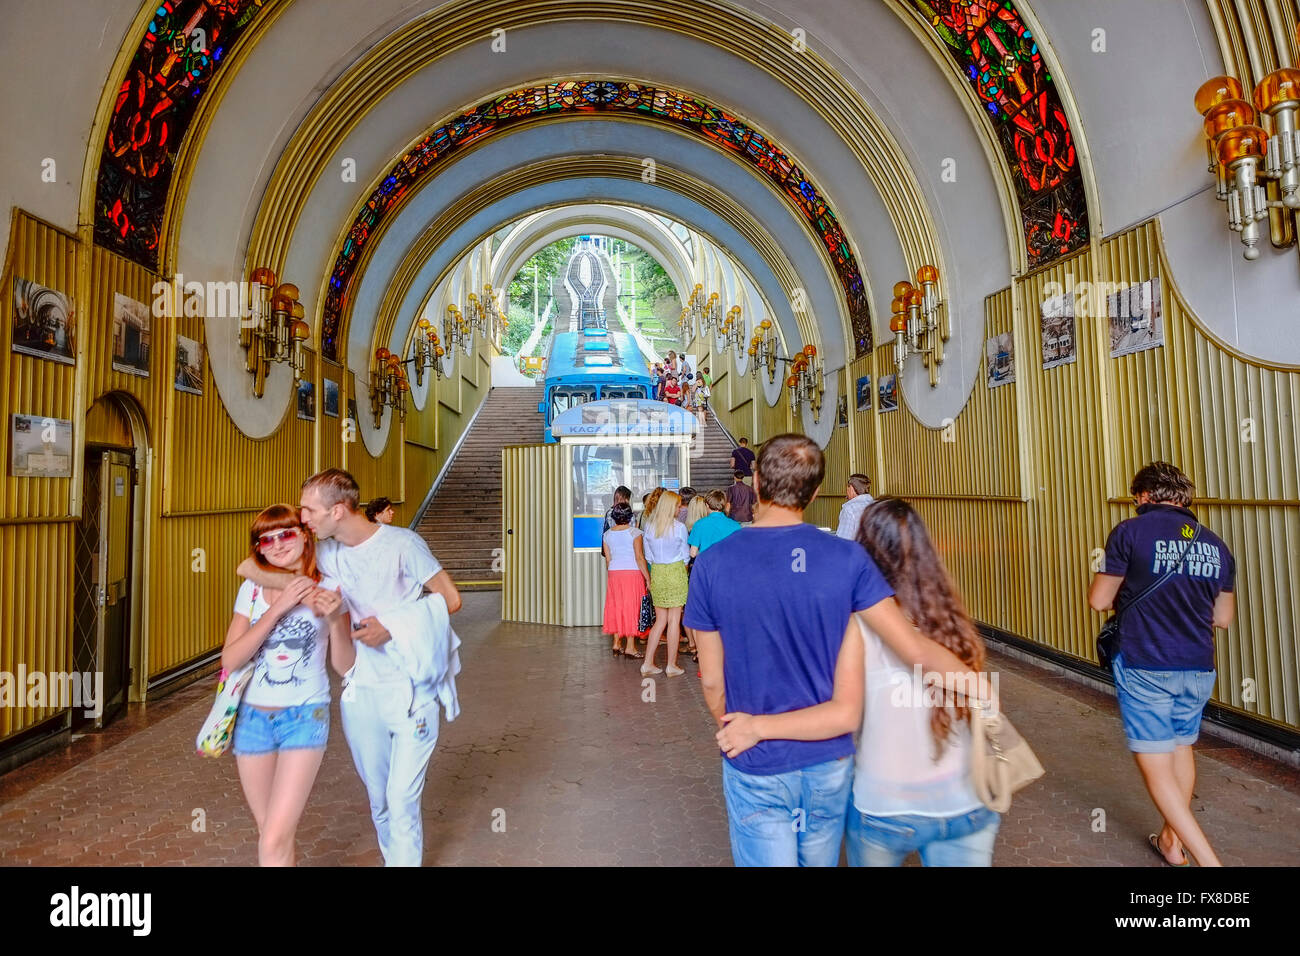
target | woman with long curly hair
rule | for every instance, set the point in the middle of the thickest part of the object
(283, 721)
(912, 787)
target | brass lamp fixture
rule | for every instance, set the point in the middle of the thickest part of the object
(456, 329)
(919, 322)
(275, 329)
(806, 382)
(732, 329)
(711, 317)
(762, 351)
(388, 386)
(473, 314)
(693, 312)
(1256, 169)
(428, 351)
(494, 321)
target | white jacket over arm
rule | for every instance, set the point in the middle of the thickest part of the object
(427, 649)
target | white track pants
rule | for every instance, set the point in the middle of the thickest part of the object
(391, 748)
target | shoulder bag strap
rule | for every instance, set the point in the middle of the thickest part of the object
(1158, 583)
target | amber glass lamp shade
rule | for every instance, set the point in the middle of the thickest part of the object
(288, 290)
(897, 305)
(927, 274)
(300, 330)
(792, 381)
(1240, 143)
(1215, 90)
(1227, 115)
(297, 311)
(1280, 86)
(263, 276)
(382, 354)
(914, 298)
(753, 350)
(765, 324)
(902, 288)
(280, 304)
(423, 323)
(898, 322)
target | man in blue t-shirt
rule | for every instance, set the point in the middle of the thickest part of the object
(1164, 668)
(771, 605)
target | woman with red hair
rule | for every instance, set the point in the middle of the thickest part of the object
(283, 721)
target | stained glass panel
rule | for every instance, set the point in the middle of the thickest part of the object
(185, 44)
(653, 103)
(998, 55)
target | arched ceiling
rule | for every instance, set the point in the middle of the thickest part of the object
(647, 231)
(865, 98)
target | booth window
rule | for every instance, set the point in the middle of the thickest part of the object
(597, 471)
(655, 465)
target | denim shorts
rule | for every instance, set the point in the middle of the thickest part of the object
(291, 728)
(962, 840)
(1161, 710)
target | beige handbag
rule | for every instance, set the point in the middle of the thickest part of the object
(1001, 761)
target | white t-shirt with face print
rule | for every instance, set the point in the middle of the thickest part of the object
(290, 665)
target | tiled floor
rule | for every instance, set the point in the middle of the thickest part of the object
(556, 742)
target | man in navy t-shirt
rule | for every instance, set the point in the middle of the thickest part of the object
(1164, 668)
(771, 646)
(742, 459)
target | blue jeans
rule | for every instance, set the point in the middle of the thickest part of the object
(788, 819)
(1161, 710)
(965, 840)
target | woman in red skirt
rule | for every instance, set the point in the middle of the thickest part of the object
(629, 577)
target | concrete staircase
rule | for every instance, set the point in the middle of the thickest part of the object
(462, 524)
(709, 457)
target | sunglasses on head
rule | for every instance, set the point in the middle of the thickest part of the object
(272, 538)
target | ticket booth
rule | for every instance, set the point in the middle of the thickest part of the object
(556, 497)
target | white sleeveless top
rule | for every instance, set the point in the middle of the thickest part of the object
(622, 549)
(896, 772)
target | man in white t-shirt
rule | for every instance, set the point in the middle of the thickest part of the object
(390, 722)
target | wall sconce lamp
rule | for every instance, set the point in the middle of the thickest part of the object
(455, 329)
(762, 351)
(428, 351)
(494, 319)
(1242, 152)
(711, 317)
(805, 381)
(274, 331)
(919, 322)
(692, 313)
(388, 386)
(732, 329)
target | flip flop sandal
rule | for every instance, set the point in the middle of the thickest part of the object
(1153, 841)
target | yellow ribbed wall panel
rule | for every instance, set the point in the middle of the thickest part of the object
(35, 609)
(108, 424)
(532, 483)
(31, 385)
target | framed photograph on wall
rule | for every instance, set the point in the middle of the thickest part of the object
(189, 366)
(40, 447)
(331, 403)
(42, 322)
(1136, 319)
(132, 335)
(864, 393)
(1056, 323)
(307, 400)
(842, 412)
(999, 360)
(888, 392)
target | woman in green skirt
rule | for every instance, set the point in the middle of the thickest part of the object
(667, 551)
